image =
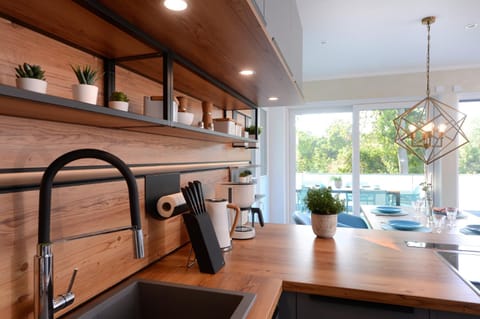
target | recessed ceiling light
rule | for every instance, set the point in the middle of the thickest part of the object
(247, 72)
(273, 98)
(175, 5)
(471, 26)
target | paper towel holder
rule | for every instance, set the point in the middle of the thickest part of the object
(159, 185)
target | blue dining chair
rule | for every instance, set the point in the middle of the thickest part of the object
(347, 220)
(302, 218)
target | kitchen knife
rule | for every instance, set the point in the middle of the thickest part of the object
(198, 186)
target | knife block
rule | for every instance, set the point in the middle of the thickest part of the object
(204, 242)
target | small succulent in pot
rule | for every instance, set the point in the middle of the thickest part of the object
(119, 96)
(85, 91)
(118, 101)
(245, 173)
(85, 74)
(245, 176)
(30, 71)
(31, 77)
(320, 201)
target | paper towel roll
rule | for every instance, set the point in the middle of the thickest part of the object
(166, 204)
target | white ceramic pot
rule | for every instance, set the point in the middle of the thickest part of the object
(185, 118)
(118, 105)
(324, 226)
(245, 179)
(35, 85)
(85, 93)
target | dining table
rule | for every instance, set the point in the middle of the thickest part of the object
(466, 223)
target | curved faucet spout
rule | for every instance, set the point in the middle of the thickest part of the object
(45, 306)
(52, 170)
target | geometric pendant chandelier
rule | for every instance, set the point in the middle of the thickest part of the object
(430, 129)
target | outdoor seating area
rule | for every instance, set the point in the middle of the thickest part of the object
(367, 197)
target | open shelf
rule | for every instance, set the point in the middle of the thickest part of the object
(217, 36)
(26, 104)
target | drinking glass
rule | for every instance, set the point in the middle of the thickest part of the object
(438, 220)
(418, 205)
(451, 216)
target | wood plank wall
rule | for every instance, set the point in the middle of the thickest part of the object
(31, 144)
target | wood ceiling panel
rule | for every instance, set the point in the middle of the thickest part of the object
(221, 37)
(71, 23)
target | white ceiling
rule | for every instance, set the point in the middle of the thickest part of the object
(372, 37)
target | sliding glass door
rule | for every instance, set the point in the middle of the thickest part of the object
(323, 153)
(355, 153)
(387, 174)
(469, 158)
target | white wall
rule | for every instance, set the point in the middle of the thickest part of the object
(277, 164)
(448, 86)
(390, 86)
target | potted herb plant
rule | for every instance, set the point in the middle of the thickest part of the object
(85, 90)
(337, 181)
(245, 176)
(118, 101)
(324, 208)
(31, 77)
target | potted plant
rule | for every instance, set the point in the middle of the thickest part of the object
(252, 129)
(118, 101)
(245, 176)
(85, 91)
(31, 77)
(324, 208)
(337, 181)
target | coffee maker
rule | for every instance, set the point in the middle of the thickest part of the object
(242, 195)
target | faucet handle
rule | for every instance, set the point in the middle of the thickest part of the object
(72, 280)
(62, 301)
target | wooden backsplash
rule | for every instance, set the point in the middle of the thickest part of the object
(31, 144)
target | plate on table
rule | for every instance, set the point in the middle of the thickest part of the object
(388, 209)
(401, 224)
(378, 213)
(473, 228)
(422, 229)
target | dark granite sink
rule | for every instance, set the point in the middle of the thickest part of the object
(142, 299)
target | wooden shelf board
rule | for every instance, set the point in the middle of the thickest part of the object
(189, 132)
(26, 104)
(22, 103)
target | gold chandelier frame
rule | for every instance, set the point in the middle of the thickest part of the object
(430, 129)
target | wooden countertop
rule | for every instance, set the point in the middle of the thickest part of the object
(369, 265)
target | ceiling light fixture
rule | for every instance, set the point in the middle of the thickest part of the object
(471, 26)
(175, 5)
(273, 98)
(430, 129)
(247, 72)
